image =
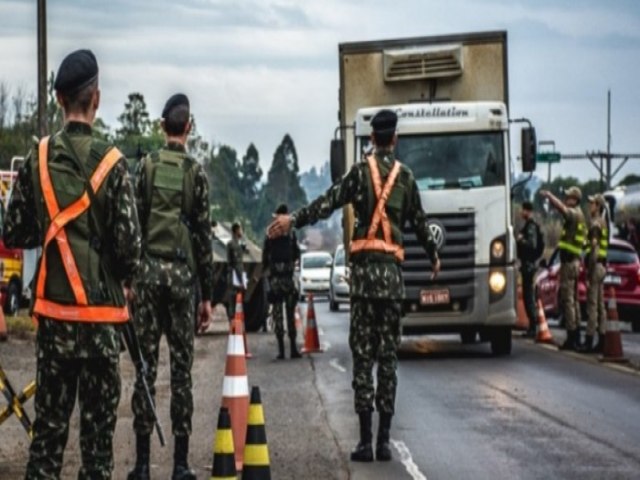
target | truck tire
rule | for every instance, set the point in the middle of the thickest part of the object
(256, 308)
(501, 341)
(12, 302)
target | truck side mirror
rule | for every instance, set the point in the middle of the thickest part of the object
(337, 161)
(528, 149)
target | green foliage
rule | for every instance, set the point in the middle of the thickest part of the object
(630, 179)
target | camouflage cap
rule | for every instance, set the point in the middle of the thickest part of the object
(597, 199)
(574, 192)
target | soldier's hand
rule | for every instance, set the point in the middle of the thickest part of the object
(280, 226)
(544, 193)
(436, 269)
(204, 315)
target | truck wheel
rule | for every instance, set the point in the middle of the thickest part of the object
(256, 309)
(12, 302)
(501, 341)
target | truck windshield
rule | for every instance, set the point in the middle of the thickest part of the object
(452, 161)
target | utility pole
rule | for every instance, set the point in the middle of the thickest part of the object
(552, 144)
(42, 68)
(608, 139)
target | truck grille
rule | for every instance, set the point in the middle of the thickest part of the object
(456, 258)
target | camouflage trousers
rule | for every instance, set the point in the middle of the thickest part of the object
(568, 302)
(283, 290)
(374, 336)
(596, 314)
(96, 383)
(170, 311)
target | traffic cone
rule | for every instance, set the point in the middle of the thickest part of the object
(298, 319)
(256, 452)
(224, 465)
(3, 326)
(235, 389)
(613, 338)
(544, 335)
(311, 339)
(239, 318)
(522, 321)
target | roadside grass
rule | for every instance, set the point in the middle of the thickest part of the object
(20, 325)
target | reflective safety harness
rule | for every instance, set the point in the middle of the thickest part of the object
(380, 218)
(573, 245)
(81, 311)
(603, 244)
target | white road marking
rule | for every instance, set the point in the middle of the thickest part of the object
(336, 364)
(320, 331)
(325, 346)
(407, 460)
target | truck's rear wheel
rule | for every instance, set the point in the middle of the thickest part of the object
(501, 341)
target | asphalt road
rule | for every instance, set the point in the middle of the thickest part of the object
(462, 413)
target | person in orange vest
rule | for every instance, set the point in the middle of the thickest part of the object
(384, 196)
(73, 198)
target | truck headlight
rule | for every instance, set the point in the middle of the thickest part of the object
(497, 282)
(497, 249)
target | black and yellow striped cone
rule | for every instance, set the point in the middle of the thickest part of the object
(256, 453)
(224, 462)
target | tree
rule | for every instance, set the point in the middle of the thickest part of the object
(250, 175)
(629, 179)
(283, 184)
(224, 182)
(134, 120)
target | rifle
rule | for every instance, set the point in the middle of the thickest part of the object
(15, 402)
(131, 340)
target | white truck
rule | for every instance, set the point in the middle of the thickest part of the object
(451, 97)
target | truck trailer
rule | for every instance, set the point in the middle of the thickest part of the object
(451, 96)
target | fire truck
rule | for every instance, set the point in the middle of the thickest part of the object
(17, 266)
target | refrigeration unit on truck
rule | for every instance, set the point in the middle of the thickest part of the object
(451, 97)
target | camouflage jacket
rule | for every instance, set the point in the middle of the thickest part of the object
(374, 275)
(594, 235)
(22, 229)
(275, 268)
(157, 271)
(235, 253)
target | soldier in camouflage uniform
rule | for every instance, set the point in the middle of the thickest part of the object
(279, 256)
(596, 262)
(78, 305)
(571, 243)
(172, 195)
(527, 244)
(235, 268)
(377, 288)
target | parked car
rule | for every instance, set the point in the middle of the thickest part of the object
(623, 274)
(314, 273)
(339, 288)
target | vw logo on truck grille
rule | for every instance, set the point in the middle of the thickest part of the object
(437, 232)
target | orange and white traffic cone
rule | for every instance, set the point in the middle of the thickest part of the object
(544, 335)
(239, 319)
(298, 319)
(522, 321)
(612, 338)
(3, 326)
(311, 338)
(235, 389)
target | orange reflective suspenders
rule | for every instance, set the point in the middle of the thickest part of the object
(380, 218)
(81, 311)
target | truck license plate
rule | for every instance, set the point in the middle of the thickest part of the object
(434, 297)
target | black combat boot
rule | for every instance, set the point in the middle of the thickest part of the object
(571, 343)
(364, 451)
(587, 346)
(383, 449)
(294, 348)
(181, 470)
(280, 348)
(599, 348)
(141, 469)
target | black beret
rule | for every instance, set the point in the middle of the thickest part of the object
(177, 100)
(282, 209)
(527, 206)
(384, 121)
(77, 70)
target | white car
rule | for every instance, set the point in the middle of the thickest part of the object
(314, 273)
(339, 290)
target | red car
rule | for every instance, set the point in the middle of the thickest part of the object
(623, 274)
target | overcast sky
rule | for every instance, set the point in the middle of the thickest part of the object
(257, 69)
